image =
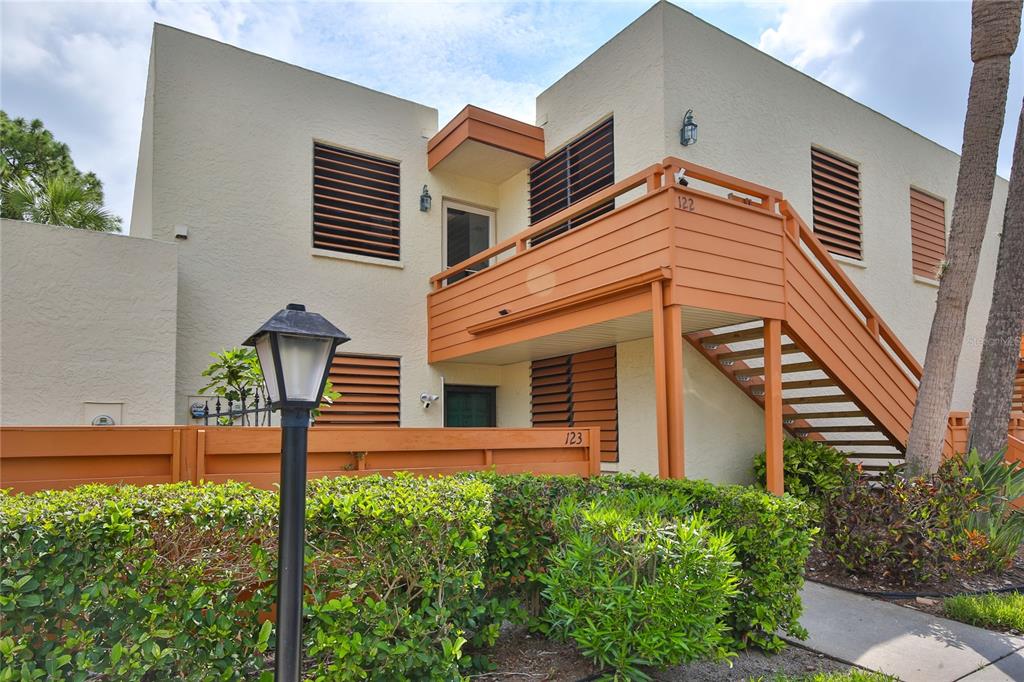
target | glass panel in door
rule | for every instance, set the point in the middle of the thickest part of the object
(468, 231)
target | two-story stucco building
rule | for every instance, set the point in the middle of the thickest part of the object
(683, 313)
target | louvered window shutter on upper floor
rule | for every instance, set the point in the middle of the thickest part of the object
(355, 203)
(584, 166)
(927, 233)
(835, 185)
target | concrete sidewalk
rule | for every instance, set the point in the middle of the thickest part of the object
(910, 645)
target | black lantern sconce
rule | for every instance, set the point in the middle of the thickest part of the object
(425, 199)
(688, 133)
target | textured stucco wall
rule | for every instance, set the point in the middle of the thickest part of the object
(723, 428)
(232, 160)
(759, 118)
(85, 317)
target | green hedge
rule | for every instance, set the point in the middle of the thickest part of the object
(166, 581)
(633, 586)
(771, 536)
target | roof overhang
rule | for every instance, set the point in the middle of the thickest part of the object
(482, 144)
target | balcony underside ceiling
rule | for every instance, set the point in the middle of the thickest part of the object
(598, 335)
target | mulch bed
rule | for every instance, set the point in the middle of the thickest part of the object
(520, 656)
(821, 568)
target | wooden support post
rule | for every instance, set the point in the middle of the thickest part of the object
(773, 405)
(175, 455)
(674, 363)
(660, 376)
(200, 455)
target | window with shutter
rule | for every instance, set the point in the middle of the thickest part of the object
(835, 185)
(578, 390)
(927, 233)
(582, 167)
(355, 203)
(369, 388)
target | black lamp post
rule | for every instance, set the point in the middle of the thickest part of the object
(295, 348)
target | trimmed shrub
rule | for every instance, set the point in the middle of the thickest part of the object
(169, 581)
(771, 537)
(812, 470)
(632, 586)
(909, 530)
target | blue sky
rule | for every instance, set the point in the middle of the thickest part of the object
(81, 66)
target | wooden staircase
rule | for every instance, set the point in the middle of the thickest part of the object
(815, 405)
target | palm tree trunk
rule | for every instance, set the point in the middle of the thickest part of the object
(995, 27)
(993, 392)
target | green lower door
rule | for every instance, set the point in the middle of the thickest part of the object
(470, 406)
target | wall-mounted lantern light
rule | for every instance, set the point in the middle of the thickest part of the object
(688, 133)
(295, 349)
(425, 199)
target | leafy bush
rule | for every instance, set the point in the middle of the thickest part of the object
(812, 470)
(168, 581)
(910, 530)
(771, 537)
(633, 587)
(996, 611)
(997, 483)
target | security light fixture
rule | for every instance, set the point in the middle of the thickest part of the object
(425, 199)
(688, 133)
(295, 348)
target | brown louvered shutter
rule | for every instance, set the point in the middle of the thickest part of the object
(835, 186)
(927, 233)
(582, 167)
(355, 203)
(369, 388)
(578, 390)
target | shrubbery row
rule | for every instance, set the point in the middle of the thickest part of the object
(405, 576)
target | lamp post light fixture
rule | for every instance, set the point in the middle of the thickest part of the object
(295, 348)
(688, 133)
(425, 199)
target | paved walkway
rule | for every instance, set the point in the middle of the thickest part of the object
(910, 645)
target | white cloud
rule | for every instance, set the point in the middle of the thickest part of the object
(811, 35)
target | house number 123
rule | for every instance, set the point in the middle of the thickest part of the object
(574, 438)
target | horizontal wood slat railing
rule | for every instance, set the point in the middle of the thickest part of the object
(653, 178)
(48, 457)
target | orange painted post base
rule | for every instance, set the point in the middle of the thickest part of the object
(773, 437)
(668, 382)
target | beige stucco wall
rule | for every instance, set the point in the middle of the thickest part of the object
(226, 152)
(230, 155)
(85, 317)
(758, 119)
(723, 428)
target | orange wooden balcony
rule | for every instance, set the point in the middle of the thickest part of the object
(692, 258)
(722, 256)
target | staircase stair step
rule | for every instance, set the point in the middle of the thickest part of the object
(839, 414)
(758, 352)
(786, 369)
(808, 383)
(874, 455)
(861, 443)
(733, 337)
(866, 428)
(817, 399)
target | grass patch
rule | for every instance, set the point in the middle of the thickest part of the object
(852, 675)
(994, 611)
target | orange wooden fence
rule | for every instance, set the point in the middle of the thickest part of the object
(959, 425)
(41, 457)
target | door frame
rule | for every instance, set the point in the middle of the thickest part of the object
(467, 388)
(446, 203)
